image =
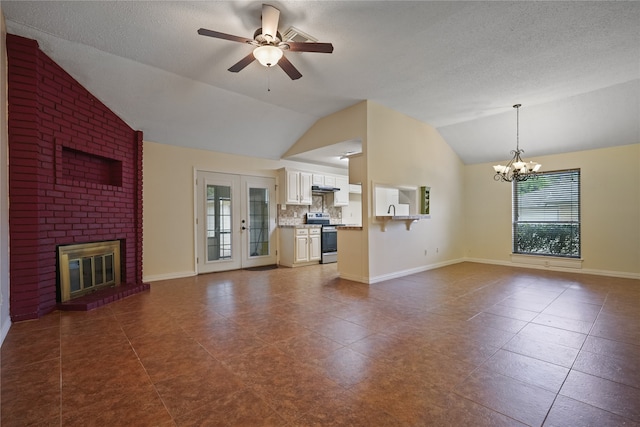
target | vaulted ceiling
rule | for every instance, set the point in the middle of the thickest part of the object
(457, 65)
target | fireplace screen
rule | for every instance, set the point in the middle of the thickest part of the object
(87, 267)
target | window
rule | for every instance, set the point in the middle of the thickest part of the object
(546, 215)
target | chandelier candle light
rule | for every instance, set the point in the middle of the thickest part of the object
(517, 169)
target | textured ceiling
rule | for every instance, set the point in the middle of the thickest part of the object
(459, 66)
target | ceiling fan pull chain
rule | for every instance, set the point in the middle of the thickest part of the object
(268, 80)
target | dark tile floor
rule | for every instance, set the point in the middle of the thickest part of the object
(467, 344)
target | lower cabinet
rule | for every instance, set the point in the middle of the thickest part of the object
(300, 246)
(315, 250)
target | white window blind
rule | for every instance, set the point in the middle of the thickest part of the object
(546, 214)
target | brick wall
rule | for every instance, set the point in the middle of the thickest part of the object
(75, 176)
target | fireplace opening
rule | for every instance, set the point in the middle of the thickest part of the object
(88, 267)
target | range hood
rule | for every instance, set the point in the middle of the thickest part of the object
(323, 189)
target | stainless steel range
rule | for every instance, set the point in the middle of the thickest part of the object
(329, 236)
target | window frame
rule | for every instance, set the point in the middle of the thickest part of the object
(574, 222)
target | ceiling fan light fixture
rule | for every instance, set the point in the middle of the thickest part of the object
(267, 55)
(268, 44)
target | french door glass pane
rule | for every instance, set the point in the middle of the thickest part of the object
(218, 222)
(258, 221)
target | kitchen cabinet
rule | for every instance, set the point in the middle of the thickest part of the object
(324, 180)
(329, 181)
(300, 246)
(317, 179)
(315, 248)
(341, 197)
(295, 187)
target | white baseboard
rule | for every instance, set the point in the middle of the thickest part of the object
(407, 272)
(6, 325)
(168, 276)
(557, 266)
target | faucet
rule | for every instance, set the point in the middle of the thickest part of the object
(394, 209)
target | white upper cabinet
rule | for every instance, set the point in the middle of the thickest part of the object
(341, 197)
(305, 188)
(324, 180)
(295, 187)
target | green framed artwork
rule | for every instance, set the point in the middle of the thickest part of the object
(425, 194)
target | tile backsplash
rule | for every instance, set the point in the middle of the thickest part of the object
(295, 214)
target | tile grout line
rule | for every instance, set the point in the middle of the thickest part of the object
(502, 348)
(143, 367)
(574, 361)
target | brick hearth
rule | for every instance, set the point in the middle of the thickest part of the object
(102, 297)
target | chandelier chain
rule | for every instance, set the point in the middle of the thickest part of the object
(517, 107)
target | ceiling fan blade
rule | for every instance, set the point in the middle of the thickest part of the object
(218, 35)
(288, 68)
(270, 18)
(238, 66)
(310, 47)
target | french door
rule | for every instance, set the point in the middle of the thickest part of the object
(235, 221)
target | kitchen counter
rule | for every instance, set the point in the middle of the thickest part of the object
(350, 227)
(408, 219)
(300, 226)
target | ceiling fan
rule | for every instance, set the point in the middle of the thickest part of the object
(269, 46)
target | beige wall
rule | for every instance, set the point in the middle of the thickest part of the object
(168, 201)
(403, 151)
(610, 208)
(344, 125)
(470, 212)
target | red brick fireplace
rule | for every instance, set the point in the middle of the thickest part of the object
(75, 176)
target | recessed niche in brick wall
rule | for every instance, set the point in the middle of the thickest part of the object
(77, 167)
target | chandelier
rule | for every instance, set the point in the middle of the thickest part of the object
(517, 169)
